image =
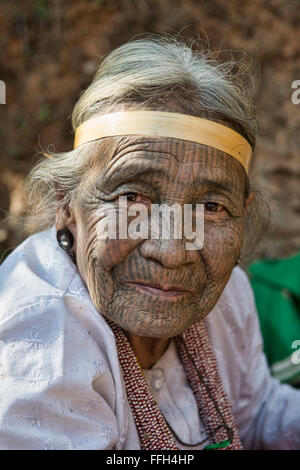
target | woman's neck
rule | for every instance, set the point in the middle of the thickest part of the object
(147, 350)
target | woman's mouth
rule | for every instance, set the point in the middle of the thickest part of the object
(158, 290)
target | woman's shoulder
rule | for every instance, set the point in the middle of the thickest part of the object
(230, 326)
(40, 285)
(36, 269)
(47, 321)
(46, 314)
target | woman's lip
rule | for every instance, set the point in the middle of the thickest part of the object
(160, 290)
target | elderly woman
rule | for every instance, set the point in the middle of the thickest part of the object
(118, 340)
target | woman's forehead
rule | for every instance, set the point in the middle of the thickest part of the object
(132, 156)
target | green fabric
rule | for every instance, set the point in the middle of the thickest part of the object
(219, 445)
(276, 286)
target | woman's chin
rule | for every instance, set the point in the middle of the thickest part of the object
(157, 322)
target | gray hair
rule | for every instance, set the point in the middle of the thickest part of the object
(152, 73)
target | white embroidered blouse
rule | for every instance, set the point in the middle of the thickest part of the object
(61, 385)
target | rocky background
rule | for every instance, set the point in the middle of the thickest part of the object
(49, 51)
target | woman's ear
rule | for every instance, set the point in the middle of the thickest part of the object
(249, 200)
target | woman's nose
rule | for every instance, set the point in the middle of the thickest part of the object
(169, 253)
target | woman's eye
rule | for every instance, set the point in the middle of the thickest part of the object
(138, 198)
(132, 197)
(213, 207)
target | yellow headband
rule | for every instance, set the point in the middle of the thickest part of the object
(161, 124)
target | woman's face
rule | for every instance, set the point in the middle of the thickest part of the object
(157, 287)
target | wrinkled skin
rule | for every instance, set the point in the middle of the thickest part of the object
(158, 170)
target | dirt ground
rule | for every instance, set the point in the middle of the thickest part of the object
(49, 51)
